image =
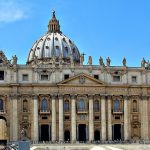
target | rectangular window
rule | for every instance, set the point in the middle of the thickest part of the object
(96, 76)
(96, 117)
(116, 78)
(25, 77)
(67, 117)
(134, 79)
(1, 75)
(44, 77)
(66, 76)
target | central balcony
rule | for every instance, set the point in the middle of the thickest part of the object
(82, 111)
(44, 111)
(117, 111)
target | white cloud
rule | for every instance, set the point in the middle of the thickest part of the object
(12, 10)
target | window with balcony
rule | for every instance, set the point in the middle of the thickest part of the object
(44, 105)
(134, 106)
(96, 106)
(66, 106)
(81, 105)
(1, 105)
(25, 105)
(116, 105)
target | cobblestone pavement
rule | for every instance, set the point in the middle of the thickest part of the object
(93, 147)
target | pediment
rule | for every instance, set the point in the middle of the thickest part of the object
(81, 79)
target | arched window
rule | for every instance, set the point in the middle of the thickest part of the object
(44, 105)
(116, 105)
(1, 105)
(57, 51)
(66, 106)
(25, 105)
(96, 105)
(134, 106)
(81, 105)
(66, 52)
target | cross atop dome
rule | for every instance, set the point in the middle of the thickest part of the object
(53, 25)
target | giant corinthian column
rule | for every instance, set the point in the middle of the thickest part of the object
(91, 123)
(35, 119)
(103, 118)
(53, 118)
(61, 119)
(73, 118)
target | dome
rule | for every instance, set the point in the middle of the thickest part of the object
(54, 46)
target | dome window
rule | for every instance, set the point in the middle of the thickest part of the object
(70, 41)
(56, 38)
(41, 40)
(66, 52)
(57, 47)
(73, 50)
(57, 51)
(47, 47)
(48, 39)
(38, 47)
(64, 40)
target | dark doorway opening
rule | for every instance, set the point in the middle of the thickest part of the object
(117, 132)
(67, 135)
(3, 142)
(82, 132)
(44, 132)
(97, 135)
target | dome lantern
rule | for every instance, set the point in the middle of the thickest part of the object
(53, 25)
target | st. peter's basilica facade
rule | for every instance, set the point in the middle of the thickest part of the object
(55, 97)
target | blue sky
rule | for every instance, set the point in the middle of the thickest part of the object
(114, 28)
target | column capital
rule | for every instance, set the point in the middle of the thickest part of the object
(109, 97)
(73, 96)
(91, 96)
(60, 96)
(103, 97)
(126, 97)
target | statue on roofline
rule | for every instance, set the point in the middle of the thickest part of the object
(124, 62)
(90, 60)
(108, 61)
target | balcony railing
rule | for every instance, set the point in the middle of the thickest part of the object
(117, 111)
(45, 111)
(2, 111)
(82, 110)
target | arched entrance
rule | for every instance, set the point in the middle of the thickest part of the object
(117, 132)
(96, 135)
(67, 135)
(82, 132)
(3, 130)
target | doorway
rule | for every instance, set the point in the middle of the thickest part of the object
(3, 131)
(45, 132)
(97, 135)
(82, 132)
(67, 135)
(117, 132)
